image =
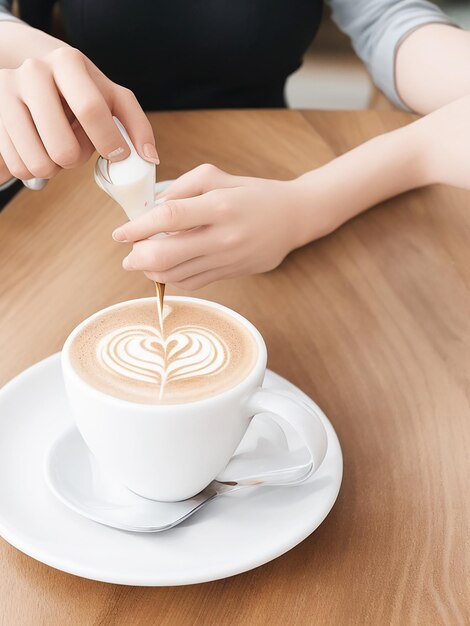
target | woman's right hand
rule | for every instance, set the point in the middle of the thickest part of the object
(55, 110)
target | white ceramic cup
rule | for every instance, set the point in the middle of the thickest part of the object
(172, 452)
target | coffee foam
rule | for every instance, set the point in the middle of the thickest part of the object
(203, 351)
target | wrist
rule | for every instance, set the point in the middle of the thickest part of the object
(19, 42)
(312, 209)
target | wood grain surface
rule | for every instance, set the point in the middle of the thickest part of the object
(374, 324)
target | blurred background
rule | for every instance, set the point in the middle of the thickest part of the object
(332, 77)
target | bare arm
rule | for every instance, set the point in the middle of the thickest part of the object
(414, 52)
(378, 27)
(433, 67)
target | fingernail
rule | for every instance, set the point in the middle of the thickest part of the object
(119, 235)
(115, 153)
(35, 184)
(160, 201)
(126, 264)
(151, 153)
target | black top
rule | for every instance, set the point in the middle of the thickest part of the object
(190, 54)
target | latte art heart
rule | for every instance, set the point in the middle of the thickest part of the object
(140, 353)
(205, 351)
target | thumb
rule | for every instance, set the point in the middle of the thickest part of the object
(200, 180)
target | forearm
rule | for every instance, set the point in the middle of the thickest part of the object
(19, 42)
(432, 67)
(381, 168)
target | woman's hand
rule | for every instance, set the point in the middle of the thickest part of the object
(225, 225)
(221, 226)
(56, 109)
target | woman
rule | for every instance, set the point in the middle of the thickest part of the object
(56, 107)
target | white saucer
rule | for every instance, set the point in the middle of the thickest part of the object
(233, 534)
(75, 477)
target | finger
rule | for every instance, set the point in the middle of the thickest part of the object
(17, 121)
(88, 104)
(172, 216)
(166, 253)
(35, 184)
(200, 180)
(124, 105)
(40, 95)
(67, 110)
(185, 270)
(127, 109)
(86, 147)
(12, 159)
(205, 278)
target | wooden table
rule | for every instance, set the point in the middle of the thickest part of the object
(378, 332)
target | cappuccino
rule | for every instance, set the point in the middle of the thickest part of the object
(202, 352)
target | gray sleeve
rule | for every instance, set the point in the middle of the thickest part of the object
(377, 27)
(5, 11)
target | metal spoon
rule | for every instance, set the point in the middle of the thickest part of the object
(150, 516)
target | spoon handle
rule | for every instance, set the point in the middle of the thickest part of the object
(182, 510)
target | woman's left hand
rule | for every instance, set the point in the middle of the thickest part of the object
(220, 226)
